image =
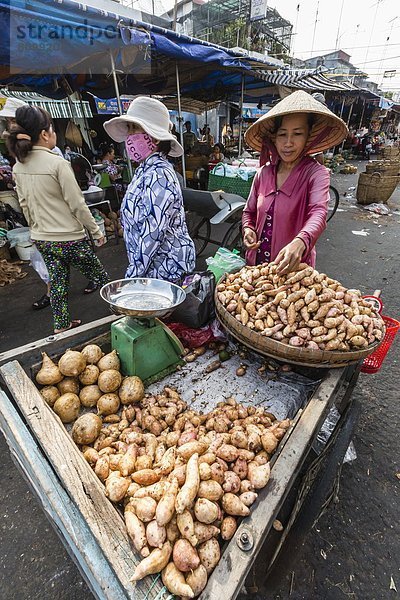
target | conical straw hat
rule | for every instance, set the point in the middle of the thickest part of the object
(328, 130)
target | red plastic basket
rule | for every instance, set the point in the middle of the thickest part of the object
(374, 361)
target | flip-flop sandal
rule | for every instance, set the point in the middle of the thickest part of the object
(90, 288)
(74, 323)
(43, 302)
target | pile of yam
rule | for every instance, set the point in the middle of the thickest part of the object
(183, 479)
(112, 222)
(304, 308)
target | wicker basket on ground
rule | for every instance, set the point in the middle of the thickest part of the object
(391, 152)
(375, 187)
(385, 167)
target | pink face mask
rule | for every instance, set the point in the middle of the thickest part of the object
(139, 146)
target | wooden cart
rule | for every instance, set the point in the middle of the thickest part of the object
(93, 530)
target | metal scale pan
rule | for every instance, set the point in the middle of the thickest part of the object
(142, 297)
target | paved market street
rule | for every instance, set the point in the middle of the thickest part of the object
(353, 551)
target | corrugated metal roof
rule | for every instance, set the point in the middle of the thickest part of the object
(58, 109)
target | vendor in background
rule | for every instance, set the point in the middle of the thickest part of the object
(227, 135)
(287, 207)
(189, 138)
(216, 155)
(176, 133)
(67, 152)
(107, 158)
(152, 213)
(54, 208)
(207, 137)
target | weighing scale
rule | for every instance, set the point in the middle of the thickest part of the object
(145, 345)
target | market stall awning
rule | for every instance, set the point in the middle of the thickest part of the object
(58, 109)
(74, 40)
(306, 79)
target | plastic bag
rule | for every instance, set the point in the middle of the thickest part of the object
(38, 264)
(225, 261)
(379, 209)
(193, 338)
(198, 307)
(20, 235)
(325, 433)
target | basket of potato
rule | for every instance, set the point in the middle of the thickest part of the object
(304, 317)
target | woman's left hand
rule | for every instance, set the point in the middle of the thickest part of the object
(290, 256)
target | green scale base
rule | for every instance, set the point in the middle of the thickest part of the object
(146, 348)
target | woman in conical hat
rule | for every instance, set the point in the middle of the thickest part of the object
(287, 206)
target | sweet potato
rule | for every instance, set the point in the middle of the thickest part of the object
(233, 506)
(231, 483)
(145, 508)
(174, 581)
(209, 554)
(248, 498)
(188, 492)
(136, 531)
(154, 563)
(205, 511)
(227, 452)
(155, 534)
(166, 506)
(259, 475)
(145, 476)
(228, 527)
(185, 557)
(211, 490)
(185, 525)
(197, 579)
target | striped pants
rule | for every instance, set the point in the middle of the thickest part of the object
(58, 257)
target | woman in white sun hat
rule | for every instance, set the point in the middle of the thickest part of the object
(287, 206)
(152, 214)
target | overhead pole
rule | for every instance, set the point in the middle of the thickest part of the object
(241, 115)
(295, 29)
(338, 28)
(315, 27)
(119, 104)
(180, 119)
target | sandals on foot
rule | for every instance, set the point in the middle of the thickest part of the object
(43, 302)
(74, 323)
(90, 288)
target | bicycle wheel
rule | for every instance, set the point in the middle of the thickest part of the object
(333, 202)
(199, 230)
(233, 238)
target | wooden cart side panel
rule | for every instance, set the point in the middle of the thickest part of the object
(230, 573)
(29, 354)
(74, 531)
(85, 489)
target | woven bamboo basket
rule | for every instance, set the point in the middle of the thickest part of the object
(391, 152)
(385, 167)
(375, 187)
(274, 349)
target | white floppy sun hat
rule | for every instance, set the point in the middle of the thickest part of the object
(150, 114)
(328, 129)
(10, 106)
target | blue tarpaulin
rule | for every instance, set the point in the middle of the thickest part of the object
(44, 39)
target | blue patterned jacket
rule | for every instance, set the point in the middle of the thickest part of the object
(153, 220)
